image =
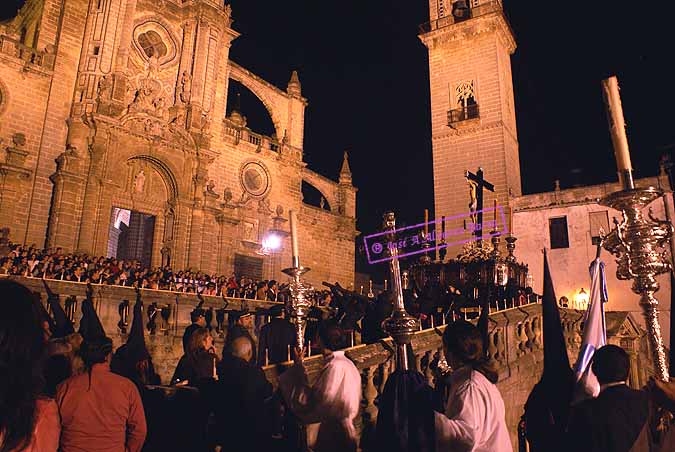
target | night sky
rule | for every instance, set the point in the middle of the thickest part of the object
(365, 74)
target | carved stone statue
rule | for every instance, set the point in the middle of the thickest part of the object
(322, 203)
(148, 97)
(205, 126)
(104, 88)
(280, 210)
(185, 88)
(210, 186)
(139, 182)
(227, 195)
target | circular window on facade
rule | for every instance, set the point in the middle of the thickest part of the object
(153, 40)
(255, 179)
(152, 44)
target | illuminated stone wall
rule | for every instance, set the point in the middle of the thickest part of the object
(123, 104)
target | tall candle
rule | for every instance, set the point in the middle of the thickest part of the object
(426, 222)
(617, 125)
(443, 228)
(511, 220)
(294, 235)
(494, 216)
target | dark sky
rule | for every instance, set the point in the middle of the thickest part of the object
(364, 72)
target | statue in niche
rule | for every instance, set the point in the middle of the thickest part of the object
(185, 88)
(280, 210)
(104, 88)
(322, 203)
(205, 126)
(139, 182)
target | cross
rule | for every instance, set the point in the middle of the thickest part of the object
(480, 184)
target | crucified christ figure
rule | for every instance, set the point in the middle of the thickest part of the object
(473, 200)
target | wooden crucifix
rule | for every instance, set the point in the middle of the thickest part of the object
(476, 184)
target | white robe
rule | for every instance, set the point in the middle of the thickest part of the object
(474, 418)
(329, 406)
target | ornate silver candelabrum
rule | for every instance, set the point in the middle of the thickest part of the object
(638, 244)
(401, 326)
(425, 259)
(510, 247)
(300, 301)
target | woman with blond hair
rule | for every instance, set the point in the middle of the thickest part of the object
(199, 361)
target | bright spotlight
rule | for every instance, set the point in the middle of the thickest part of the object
(272, 242)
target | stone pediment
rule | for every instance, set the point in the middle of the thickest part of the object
(622, 324)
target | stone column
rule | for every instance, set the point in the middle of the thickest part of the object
(90, 204)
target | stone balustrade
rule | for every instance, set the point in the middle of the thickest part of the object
(12, 47)
(246, 135)
(515, 343)
(166, 346)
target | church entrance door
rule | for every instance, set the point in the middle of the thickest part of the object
(131, 236)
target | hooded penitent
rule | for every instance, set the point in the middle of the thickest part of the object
(91, 328)
(62, 325)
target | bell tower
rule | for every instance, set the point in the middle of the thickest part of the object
(472, 110)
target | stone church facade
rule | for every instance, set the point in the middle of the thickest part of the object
(116, 106)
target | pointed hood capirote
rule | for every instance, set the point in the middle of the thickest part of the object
(136, 349)
(91, 328)
(62, 325)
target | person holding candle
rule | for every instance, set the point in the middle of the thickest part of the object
(329, 406)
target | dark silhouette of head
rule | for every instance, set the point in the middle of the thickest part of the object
(611, 364)
(464, 347)
(22, 353)
(331, 335)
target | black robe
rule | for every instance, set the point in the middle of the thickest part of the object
(241, 402)
(276, 336)
(611, 422)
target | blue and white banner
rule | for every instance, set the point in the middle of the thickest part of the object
(595, 334)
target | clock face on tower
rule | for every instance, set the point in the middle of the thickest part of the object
(255, 179)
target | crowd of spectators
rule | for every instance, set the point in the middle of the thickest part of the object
(30, 261)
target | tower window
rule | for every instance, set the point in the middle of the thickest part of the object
(152, 44)
(557, 228)
(465, 104)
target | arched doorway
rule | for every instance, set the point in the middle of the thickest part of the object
(143, 212)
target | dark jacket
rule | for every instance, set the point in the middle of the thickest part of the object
(195, 369)
(242, 406)
(276, 336)
(610, 423)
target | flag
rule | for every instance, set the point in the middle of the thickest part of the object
(548, 405)
(594, 336)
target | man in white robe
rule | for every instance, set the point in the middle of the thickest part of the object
(329, 406)
(474, 418)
